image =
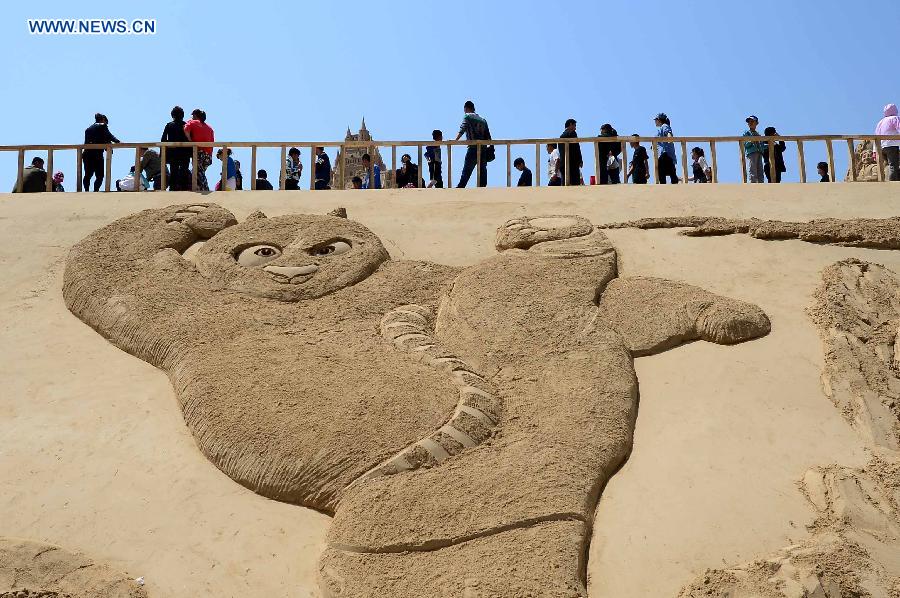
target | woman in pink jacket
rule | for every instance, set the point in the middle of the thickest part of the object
(890, 125)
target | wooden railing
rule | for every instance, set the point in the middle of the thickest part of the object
(599, 161)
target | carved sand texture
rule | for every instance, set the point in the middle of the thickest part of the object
(854, 549)
(873, 233)
(857, 312)
(36, 570)
(462, 453)
(294, 399)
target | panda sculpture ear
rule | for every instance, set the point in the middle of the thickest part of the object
(257, 215)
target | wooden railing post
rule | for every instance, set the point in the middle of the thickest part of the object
(801, 157)
(449, 183)
(79, 170)
(478, 163)
(852, 160)
(655, 149)
(108, 168)
(163, 172)
(394, 165)
(421, 167)
(773, 169)
(830, 149)
(253, 168)
(743, 161)
(343, 166)
(137, 169)
(879, 159)
(223, 185)
(194, 166)
(282, 172)
(20, 172)
(312, 170)
(537, 164)
(599, 162)
(623, 162)
(685, 177)
(715, 161)
(50, 170)
(568, 166)
(508, 165)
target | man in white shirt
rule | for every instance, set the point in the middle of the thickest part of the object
(555, 180)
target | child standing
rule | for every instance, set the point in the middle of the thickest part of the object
(779, 148)
(754, 150)
(702, 171)
(433, 157)
(525, 179)
(822, 169)
(553, 178)
(639, 168)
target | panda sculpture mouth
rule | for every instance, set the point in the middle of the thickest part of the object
(294, 280)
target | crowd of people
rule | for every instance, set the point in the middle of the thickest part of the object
(564, 161)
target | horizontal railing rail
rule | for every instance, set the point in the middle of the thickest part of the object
(562, 143)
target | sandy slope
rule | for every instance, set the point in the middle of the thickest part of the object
(96, 457)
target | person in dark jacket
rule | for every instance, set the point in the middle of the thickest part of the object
(323, 170)
(570, 160)
(525, 179)
(262, 181)
(780, 146)
(604, 148)
(408, 173)
(475, 128)
(178, 158)
(92, 159)
(34, 178)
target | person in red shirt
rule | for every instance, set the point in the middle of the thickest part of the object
(196, 129)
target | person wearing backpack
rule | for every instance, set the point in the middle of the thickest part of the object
(475, 128)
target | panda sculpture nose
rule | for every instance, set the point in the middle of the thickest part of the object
(292, 271)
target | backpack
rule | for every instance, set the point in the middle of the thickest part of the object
(488, 154)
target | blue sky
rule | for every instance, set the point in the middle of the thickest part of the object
(292, 70)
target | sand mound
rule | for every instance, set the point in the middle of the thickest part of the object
(857, 311)
(853, 550)
(35, 570)
(310, 368)
(875, 233)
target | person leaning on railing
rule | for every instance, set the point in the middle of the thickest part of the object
(475, 128)
(92, 159)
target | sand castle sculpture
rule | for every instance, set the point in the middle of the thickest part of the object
(866, 165)
(459, 423)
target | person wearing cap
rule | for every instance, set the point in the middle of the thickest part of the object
(754, 150)
(58, 178)
(890, 125)
(668, 159)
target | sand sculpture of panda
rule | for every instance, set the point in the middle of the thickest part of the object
(459, 423)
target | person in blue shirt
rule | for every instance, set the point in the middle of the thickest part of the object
(371, 178)
(668, 159)
(230, 173)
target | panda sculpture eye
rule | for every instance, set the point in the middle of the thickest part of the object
(257, 255)
(335, 248)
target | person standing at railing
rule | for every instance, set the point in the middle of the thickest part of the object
(293, 169)
(604, 150)
(371, 178)
(754, 150)
(34, 178)
(475, 128)
(92, 159)
(323, 170)
(668, 159)
(178, 158)
(238, 177)
(570, 160)
(779, 148)
(407, 176)
(433, 157)
(230, 172)
(890, 125)
(553, 173)
(196, 129)
(58, 179)
(822, 169)
(639, 168)
(525, 179)
(262, 181)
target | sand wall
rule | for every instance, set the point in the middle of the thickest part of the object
(96, 456)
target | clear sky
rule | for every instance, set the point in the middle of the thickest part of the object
(300, 70)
